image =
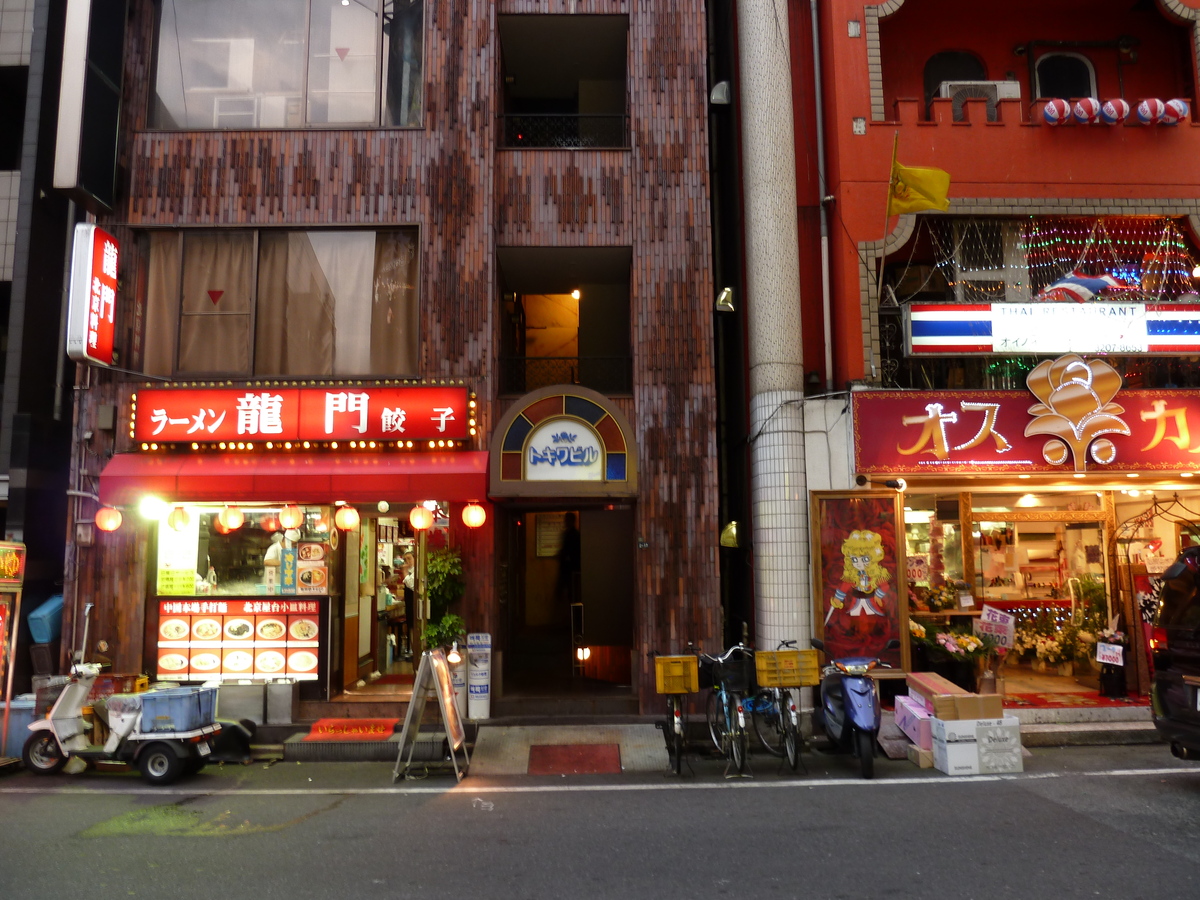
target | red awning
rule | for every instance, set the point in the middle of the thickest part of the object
(296, 478)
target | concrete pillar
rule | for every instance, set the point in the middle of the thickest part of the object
(779, 494)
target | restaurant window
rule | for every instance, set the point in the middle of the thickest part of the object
(1066, 75)
(282, 303)
(227, 64)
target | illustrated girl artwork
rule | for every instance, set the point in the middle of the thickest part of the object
(858, 622)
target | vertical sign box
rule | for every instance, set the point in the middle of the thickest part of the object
(92, 302)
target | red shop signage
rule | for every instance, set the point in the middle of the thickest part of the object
(301, 414)
(922, 432)
(92, 297)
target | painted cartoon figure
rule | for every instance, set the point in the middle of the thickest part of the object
(857, 621)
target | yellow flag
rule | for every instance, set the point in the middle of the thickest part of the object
(914, 188)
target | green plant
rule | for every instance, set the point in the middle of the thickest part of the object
(444, 632)
(443, 580)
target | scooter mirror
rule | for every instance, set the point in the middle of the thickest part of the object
(817, 643)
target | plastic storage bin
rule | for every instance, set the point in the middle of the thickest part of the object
(178, 709)
(106, 685)
(45, 622)
(676, 674)
(20, 717)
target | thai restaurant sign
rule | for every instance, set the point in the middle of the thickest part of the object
(92, 298)
(333, 413)
(957, 329)
(1076, 419)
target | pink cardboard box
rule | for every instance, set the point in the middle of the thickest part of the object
(915, 721)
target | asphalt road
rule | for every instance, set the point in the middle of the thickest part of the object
(1120, 822)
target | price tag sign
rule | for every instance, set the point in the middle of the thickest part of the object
(1112, 654)
(996, 624)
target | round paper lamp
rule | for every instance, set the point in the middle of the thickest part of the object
(231, 518)
(346, 518)
(178, 518)
(270, 522)
(420, 518)
(220, 527)
(474, 515)
(291, 516)
(108, 519)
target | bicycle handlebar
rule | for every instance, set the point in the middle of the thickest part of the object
(728, 653)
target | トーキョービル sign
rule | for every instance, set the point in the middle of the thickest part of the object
(92, 298)
(334, 413)
(926, 432)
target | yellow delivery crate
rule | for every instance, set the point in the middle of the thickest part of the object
(676, 674)
(786, 668)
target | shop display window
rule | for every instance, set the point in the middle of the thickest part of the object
(199, 556)
(933, 541)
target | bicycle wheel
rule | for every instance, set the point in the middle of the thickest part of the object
(767, 725)
(714, 714)
(791, 739)
(737, 735)
(674, 704)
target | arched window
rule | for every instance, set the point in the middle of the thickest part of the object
(1065, 75)
(951, 65)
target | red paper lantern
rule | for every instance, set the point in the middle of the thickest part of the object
(179, 519)
(346, 518)
(270, 522)
(420, 518)
(220, 527)
(474, 515)
(108, 519)
(231, 518)
(291, 516)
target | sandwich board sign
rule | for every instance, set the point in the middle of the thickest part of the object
(433, 674)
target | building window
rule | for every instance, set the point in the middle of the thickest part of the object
(1067, 75)
(282, 303)
(226, 64)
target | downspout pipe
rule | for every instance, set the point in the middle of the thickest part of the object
(819, 110)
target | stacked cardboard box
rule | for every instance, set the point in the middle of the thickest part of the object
(967, 733)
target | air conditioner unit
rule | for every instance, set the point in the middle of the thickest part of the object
(991, 91)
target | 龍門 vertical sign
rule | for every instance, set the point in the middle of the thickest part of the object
(91, 311)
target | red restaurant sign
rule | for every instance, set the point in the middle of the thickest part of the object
(331, 413)
(926, 432)
(92, 302)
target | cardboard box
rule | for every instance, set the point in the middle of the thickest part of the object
(959, 731)
(914, 720)
(978, 746)
(935, 693)
(920, 757)
(979, 706)
(956, 759)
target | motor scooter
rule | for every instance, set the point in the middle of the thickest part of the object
(849, 709)
(162, 756)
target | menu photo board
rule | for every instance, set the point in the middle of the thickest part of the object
(225, 640)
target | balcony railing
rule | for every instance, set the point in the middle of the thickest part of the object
(566, 131)
(607, 374)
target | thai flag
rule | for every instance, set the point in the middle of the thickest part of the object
(948, 328)
(1173, 328)
(1078, 287)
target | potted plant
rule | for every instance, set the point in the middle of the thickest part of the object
(443, 633)
(443, 580)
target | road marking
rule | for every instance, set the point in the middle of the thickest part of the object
(475, 788)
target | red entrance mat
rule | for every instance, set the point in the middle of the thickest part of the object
(351, 730)
(1069, 700)
(574, 759)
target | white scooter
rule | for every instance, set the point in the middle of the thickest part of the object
(162, 756)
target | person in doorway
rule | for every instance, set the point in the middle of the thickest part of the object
(272, 560)
(569, 557)
(409, 581)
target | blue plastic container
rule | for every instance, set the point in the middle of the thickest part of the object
(45, 622)
(178, 709)
(20, 717)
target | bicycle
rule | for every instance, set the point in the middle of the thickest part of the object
(732, 679)
(676, 676)
(774, 716)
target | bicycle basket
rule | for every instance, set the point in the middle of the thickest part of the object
(736, 673)
(786, 668)
(676, 675)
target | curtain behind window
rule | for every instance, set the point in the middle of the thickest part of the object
(162, 304)
(394, 316)
(294, 322)
(216, 310)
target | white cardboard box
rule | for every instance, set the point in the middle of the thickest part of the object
(954, 731)
(961, 758)
(995, 749)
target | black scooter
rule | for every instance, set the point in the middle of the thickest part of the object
(849, 710)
